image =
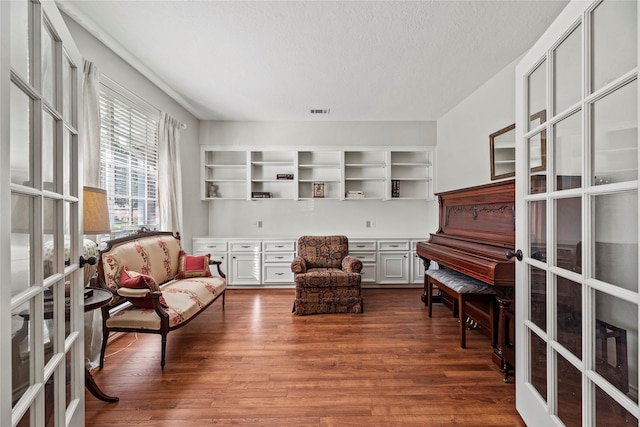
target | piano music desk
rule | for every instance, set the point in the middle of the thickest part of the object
(463, 289)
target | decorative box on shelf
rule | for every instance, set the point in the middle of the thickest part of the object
(355, 194)
(261, 195)
(284, 176)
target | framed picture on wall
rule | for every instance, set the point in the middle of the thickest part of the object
(318, 190)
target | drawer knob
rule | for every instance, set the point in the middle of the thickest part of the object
(394, 246)
(279, 274)
(279, 257)
(245, 246)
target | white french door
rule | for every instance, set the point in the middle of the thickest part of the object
(577, 295)
(41, 296)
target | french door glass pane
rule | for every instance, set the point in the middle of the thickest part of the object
(48, 152)
(538, 229)
(615, 136)
(48, 66)
(20, 137)
(70, 373)
(568, 233)
(615, 223)
(49, 330)
(567, 149)
(538, 364)
(21, 243)
(537, 95)
(67, 161)
(67, 89)
(49, 402)
(538, 297)
(569, 310)
(536, 146)
(568, 72)
(614, 39)
(19, 21)
(49, 251)
(569, 393)
(616, 342)
(610, 413)
(20, 351)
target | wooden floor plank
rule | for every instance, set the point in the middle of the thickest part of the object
(256, 364)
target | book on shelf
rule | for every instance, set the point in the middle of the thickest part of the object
(355, 194)
(395, 188)
(261, 195)
(284, 176)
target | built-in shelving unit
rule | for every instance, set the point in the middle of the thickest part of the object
(224, 174)
(373, 173)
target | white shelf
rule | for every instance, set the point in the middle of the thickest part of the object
(235, 172)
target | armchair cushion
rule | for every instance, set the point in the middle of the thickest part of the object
(323, 251)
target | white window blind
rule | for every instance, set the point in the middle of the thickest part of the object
(128, 163)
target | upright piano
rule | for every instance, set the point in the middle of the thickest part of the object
(476, 231)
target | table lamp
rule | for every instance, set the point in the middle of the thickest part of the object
(96, 221)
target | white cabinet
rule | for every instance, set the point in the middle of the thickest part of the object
(393, 262)
(365, 251)
(244, 173)
(276, 261)
(244, 263)
(417, 267)
(386, 262)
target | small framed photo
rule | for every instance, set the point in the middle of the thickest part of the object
(318, 190)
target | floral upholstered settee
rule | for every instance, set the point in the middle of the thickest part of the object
(327, 278)
(165, 287)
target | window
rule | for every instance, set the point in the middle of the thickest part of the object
(128, 162)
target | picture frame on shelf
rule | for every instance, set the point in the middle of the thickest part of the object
(318, 190)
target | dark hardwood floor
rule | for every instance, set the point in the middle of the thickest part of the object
(256, 364)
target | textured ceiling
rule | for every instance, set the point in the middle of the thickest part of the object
(276, 60)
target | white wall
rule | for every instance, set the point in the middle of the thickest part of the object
(463, 133)
(114, 67)
(294, 218)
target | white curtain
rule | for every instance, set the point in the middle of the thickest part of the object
(90, 129)
(90, 137)
(169, 174)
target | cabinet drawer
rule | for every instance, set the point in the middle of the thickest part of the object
(394, 245)
(248, 246)
(279, 246)
(277, 274)
(278, 257)
(364, 256)
(362, 245)
(206, 247)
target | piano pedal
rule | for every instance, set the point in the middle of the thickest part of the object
(471, 324)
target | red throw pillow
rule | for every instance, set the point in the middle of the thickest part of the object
(193, 266)
(135, 280)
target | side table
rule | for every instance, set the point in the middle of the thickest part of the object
(97, 298)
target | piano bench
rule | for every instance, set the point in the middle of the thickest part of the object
(462, 288)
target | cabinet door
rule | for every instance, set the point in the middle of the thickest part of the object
(245, 269)
(393, 267)
(417, 270)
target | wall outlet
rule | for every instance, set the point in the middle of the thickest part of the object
(257, 224)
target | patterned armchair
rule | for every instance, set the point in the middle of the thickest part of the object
(327, 278)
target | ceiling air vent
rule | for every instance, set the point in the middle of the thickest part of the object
(320, 111)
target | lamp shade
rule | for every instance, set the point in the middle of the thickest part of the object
(96, 211)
